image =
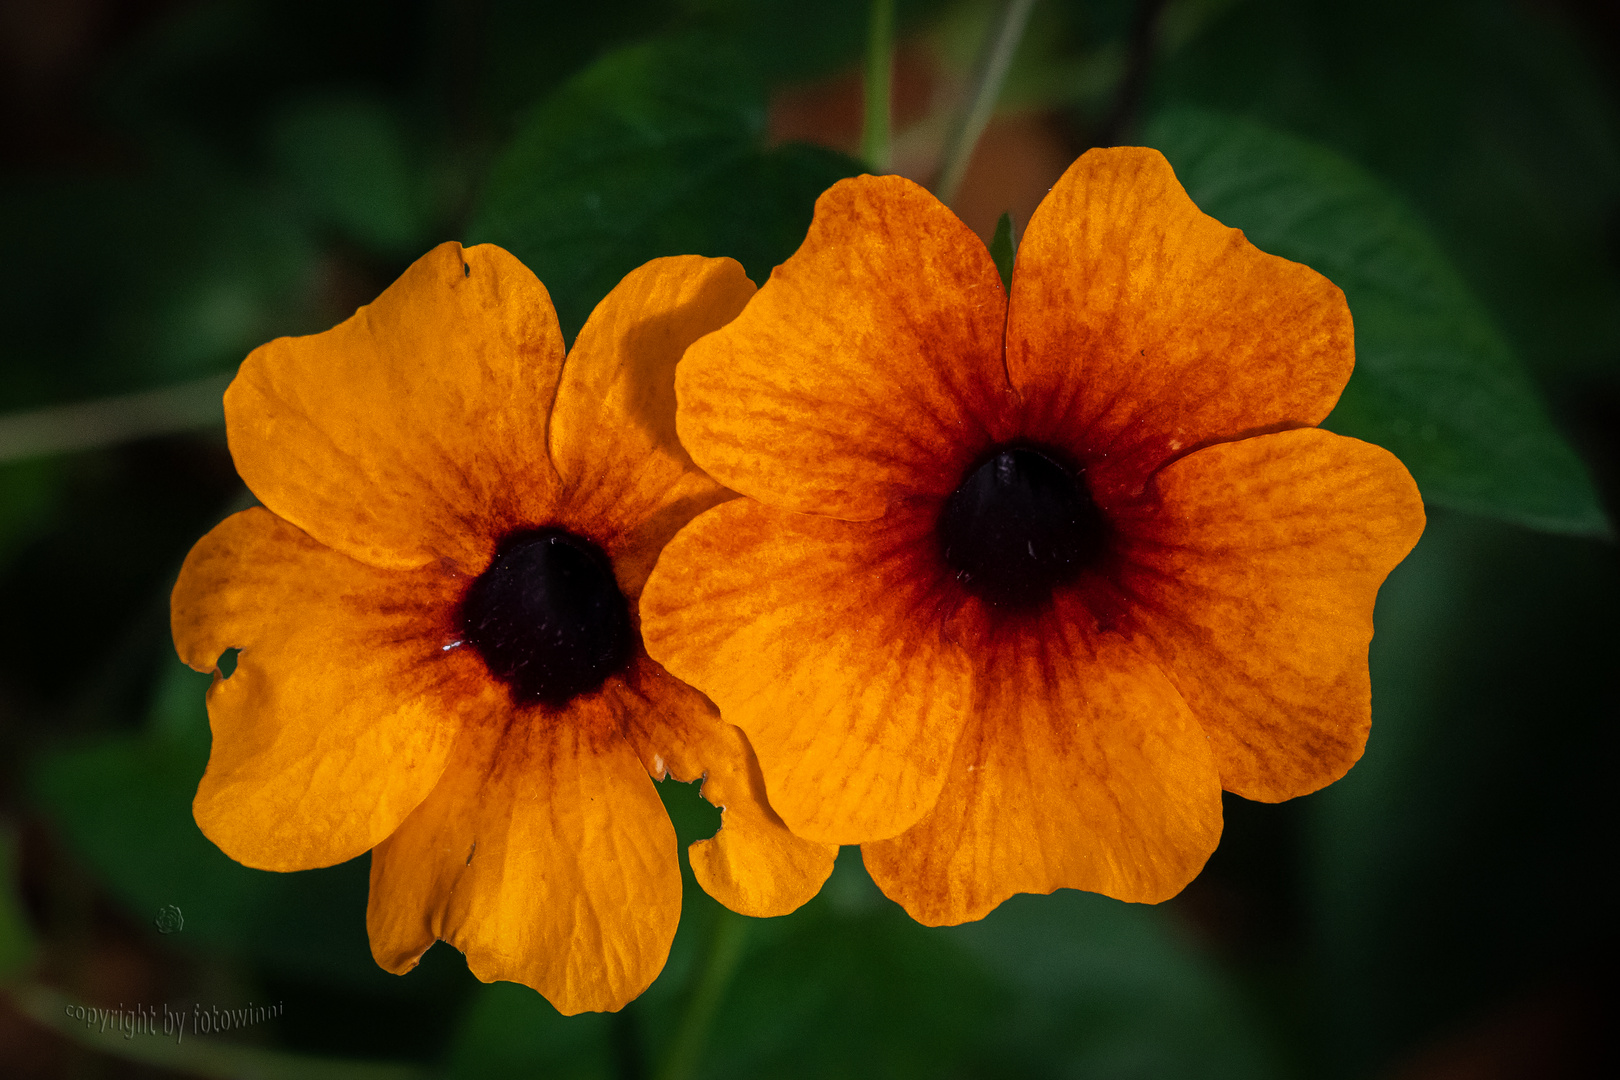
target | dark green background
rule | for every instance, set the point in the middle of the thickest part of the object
(183, 181)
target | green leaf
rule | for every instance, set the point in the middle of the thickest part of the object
(1064, 985)
(1103, 988)
(16, 938)
(1435, 381)
(147, 281)
(29, 494)
(852, 987)
(511, 1031)
(123, 806)
(1003, 250)
(347, 159)
(656, 149)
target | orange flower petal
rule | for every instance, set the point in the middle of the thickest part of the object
(1149, 327)
(626, 476)
(1082, 768)
(414, 431)
(544, 854)
(819, 639)
(872, 351)
(340, 715)
(753, 865)
(1255, 574)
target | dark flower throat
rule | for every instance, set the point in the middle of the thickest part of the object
(1019, 525)
(548, 617)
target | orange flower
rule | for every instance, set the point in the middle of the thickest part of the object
(1019, 585)
(436, 611)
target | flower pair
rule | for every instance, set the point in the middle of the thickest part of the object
(1011, 591)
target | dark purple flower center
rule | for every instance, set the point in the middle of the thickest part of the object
(548, 617)
(1019, 525)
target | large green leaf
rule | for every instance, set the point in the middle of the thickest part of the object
(655, 150)
(1435, 380)
(848, 986)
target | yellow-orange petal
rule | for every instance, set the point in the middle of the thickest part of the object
(1253, 567)
(824, 643)
(627, 480)
(753, 865)
(344, 703)
(1140, 327)
(415, 431)
(544, 854)
(1082, 768)
(867, 368)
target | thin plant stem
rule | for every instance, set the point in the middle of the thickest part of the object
(878, 126)
(1000, 46)
(89, 425)
(719, 965)
(629, 1060)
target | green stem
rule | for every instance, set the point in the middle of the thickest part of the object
(719, 965)
(1000, 46)
(87, 425)
(879, 84)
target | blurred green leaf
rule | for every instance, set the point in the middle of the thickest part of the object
(852, 990)
(123, 804)
(848, 986)
(1452, 871)
(1494, 116)
(786, 41)
(1070, 984)
(655, 150)
(16, 939)
(219, 273)
(29, 492)
(511, 1031)
(347, 158)
(1103, 988)
(1435, 381)
(133, 283)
